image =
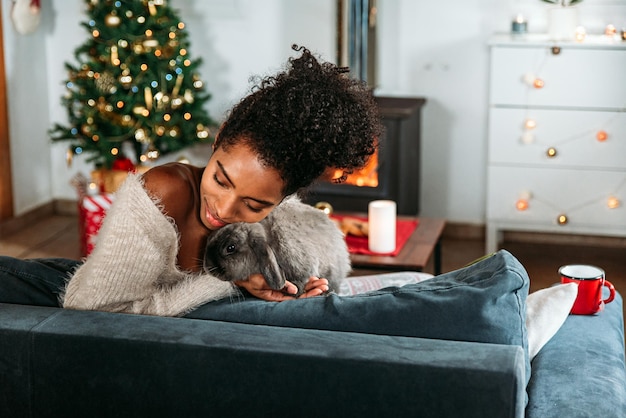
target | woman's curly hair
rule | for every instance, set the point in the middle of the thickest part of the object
(306, 119)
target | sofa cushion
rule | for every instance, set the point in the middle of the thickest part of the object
(581, 371)
(484, 302)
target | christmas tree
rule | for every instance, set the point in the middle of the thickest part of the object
(134, 83)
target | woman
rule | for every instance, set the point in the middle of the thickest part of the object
(307, 122)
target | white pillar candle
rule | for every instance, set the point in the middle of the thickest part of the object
(382, 226)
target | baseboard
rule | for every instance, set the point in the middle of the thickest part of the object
(15, 224)
(66, 207)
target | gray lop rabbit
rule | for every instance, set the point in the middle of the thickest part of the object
(295, 241)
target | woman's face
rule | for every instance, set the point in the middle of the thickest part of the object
(237, 187)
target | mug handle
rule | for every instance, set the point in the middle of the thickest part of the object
(611, 289)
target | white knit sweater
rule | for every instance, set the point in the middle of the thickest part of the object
(133, 266)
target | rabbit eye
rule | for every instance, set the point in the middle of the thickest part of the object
(231, 249)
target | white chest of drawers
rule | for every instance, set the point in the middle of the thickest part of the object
(557, 137)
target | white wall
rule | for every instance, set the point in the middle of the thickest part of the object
(427, 48)
(27, 92)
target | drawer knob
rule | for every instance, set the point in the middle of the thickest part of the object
(556, 50)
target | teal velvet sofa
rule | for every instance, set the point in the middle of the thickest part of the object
(219, 362)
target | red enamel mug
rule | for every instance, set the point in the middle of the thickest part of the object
(590, 281)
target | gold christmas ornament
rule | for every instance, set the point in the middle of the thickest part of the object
(152, 8)
(188, 96)
(105, 82)
(325, 207)
(147, 95)
(114, 56)
(178, 85)
(141, 111)
(112, 20)
(69, 157)
(138, 48)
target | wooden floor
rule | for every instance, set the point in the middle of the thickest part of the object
(57, 236)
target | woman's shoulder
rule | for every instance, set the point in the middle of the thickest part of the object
(173, 173)
(175, 185)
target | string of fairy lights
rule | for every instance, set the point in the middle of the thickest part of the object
(600, 133)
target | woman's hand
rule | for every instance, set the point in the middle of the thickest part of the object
(257, 286)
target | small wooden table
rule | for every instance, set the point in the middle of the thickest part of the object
(423, 243)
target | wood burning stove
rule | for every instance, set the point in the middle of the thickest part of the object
(394, 171)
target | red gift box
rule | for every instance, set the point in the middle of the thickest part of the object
(92, 210)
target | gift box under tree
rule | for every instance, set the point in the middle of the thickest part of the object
(92, 210)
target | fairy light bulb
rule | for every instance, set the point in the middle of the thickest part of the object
(521, 205)
(538, 83)
(562, 219)
(522, 202)
(580, 34)
(530, 124)
(610, 30)
(613, 202)
(551, 152)
(602, 136)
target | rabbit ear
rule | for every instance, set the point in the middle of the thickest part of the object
(271, 270)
